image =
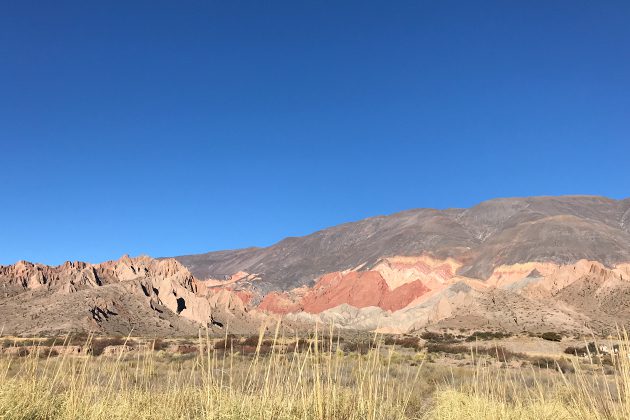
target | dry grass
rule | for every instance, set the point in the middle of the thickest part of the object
(586, 391)
(319, 378)
(214, 384)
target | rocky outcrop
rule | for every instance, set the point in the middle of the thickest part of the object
(360, 290)
(168, 283)
(112, 294)
(38, 276)
(391, 285)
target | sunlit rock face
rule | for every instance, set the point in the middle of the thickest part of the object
(141, 293)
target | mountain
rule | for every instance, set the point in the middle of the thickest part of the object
(519, 265)
(562, 230)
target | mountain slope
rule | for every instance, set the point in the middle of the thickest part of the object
(562, 230)
(520, 265)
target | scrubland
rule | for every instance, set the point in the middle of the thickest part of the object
(322, 376)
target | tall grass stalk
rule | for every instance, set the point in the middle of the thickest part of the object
(319, 382)
(590, 390)
(308, 378)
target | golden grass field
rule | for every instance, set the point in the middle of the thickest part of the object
(286, 378)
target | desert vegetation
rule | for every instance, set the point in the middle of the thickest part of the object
(322, 376)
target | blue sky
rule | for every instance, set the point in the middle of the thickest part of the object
(169, 128)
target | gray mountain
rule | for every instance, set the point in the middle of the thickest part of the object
(503, 231)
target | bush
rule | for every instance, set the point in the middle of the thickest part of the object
(499, 353)
(298, 346)
(187, 349)
(247, 346)
(551, 336)
(159, 344)
(406, 342)
(487, 335)
(252, 340)
(227, 343)
(548, 363)
(504, 355)
(582, 350)
(447, 348)
(100, 344)
(51, 341)
(48, 352)
(79, 339)
(439, 337)
(575, 351)
(23, 352)
(360, 347)
(604, 360)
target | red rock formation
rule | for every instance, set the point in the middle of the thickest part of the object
(245, 296)
(402, 296)
(358, 289)
(280, 303)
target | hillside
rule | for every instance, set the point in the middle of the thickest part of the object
(520, 265)
(562, 230)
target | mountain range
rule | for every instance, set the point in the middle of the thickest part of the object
(515, 264)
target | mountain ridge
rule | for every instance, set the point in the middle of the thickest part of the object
(519, 265)
(451, 232)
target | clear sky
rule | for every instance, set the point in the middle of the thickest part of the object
(169, 128)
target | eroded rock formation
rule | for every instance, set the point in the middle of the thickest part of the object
(122, 295)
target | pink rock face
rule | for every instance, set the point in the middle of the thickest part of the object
(402, 296)
(358, 289)
(245, 296)
(279, 303)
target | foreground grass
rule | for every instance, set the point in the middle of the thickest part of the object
(591, 391)
(317, 382)
(214, 384)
